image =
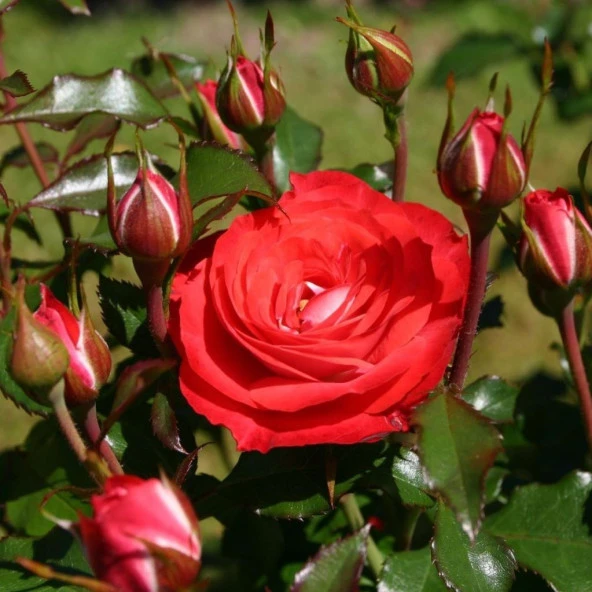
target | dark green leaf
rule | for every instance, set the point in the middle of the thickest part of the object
(83, 187)
(214, 170)
(22, 223)
(76, 6)
(124, 312)
(410, 479)
(67, 99)
(164, 423)
(410, 571)
(297, 147)
(493, 483)
(91, 127)
(45, 465)
(17, 84)
(8, 386)
(457, 447)
(543, 526)
(153, 72)
(336, 568)
(58, 549)
(18, 156)
(472, 53)
(378, 176)
(492, 397)
(483, 564)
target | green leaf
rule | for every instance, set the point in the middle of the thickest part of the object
(19, 157)
(410, 479)
(457, 447)
(493, 397)
(214, 170)
(543, 526)
(124, 312)
(45, 465)
(336, 568)
(164, 423)
(91, 127)
(410, 571)
(67, 99)
(58, 548)
(9, 387)
(83, 187)
(472, 53)
(23, 223)
(483, 565)
(76, 6)
(378, 176)
(297, 147)
(154, 74)
(17, 84)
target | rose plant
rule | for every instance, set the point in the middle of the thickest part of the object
(277, 395)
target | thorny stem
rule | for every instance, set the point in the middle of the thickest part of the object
(569, 336)
(93, 431)
(356, 521)
(480, 227)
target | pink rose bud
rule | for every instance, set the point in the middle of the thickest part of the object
(143, 536)
(481, 167)
(39, 357)
(90, 359)
(555, 249)
(206, 93)
(378, 63)
(149, 223)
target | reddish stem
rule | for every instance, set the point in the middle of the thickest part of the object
(569, 336)
(93, 431)
(480, 227)
(400, 163)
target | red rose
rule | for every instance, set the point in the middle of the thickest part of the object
(143, 536)
(323, 324)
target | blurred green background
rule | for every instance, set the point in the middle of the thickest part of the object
(42, 39)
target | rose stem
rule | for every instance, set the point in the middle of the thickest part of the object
(21, 129)
(567, 328)
(356, 521)
(93, 431)
(480, 227)
(396, 134)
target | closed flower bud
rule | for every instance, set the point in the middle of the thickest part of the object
(143, 536)
(90, 359)
(481, 168)
(206, 92)
(555, 249)
(147, 223)
(378, 63)
(39, 357)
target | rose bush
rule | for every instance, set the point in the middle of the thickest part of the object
(325, 321)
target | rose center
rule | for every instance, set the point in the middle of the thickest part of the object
(318, 305)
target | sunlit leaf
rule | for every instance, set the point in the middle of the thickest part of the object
(378, 176)
(76, 6)
(493, 397)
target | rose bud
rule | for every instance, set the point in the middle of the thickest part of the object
(39, 357)
(206, 93)
(378, 63)
(555, 249)
(143, 536)
(90, 359)
(481, 168)
(251, 97)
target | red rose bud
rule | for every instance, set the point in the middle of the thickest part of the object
(378, 63)
(555, 249)
(148, 223)
(90, 359)
(206, 93)
(143, 536)
(39, 357)
(481, 167)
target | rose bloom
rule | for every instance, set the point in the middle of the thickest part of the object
(326, 322)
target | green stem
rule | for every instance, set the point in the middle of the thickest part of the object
(396, 134)
(356, 521)
(569, 336)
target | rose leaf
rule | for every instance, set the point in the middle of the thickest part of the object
(17, 84)
(457, 446)
(164, 423)
(410, 571)
(91, 127)
(410, 479)
(76, 6)
(18, 156)
(543, 525)
(483, 564)
(335, 568)
(378, 176)
(493, 397)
